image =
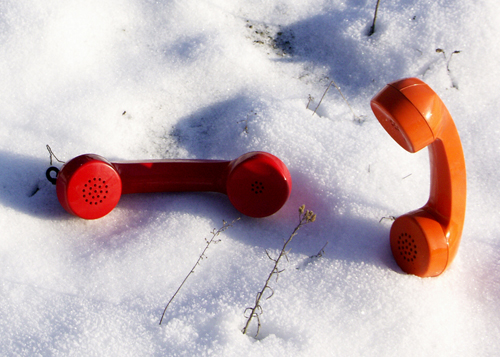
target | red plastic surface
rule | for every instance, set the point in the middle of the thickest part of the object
(172, 176)
(88, 186)
(258, 184)
(424, 242)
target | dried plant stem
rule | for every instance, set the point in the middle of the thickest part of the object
(372, 29)
(389, 218)
(215, 233)
(322, 97)
(305, 217)
(346, 102)
(343, 97)
(52, 155)
(321, 252)
(447, 60)
(310, 99)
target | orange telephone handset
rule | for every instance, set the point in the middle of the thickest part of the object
(424, 242)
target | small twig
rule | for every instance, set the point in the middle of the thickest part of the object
(310, 99)
(52, 155)
(345, 100)
(320, 253)
(272, 293)
(313, 257)
(215, 233)
(343, 97)
(448, 60)
(267, 253)
(245, 130)
(372, 29)
(305, 217)
(389, 218)
(453, 53)
(322, 98)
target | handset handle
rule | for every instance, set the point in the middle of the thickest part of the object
(447, 198)
(172, 175)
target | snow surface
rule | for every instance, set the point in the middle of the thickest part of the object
(213, 79)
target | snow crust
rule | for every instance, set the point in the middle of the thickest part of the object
(213, 79)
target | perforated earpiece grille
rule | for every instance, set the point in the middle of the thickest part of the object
(88, 186)
(418, 244)
(258, 184)
(257, 187)
(407, 247)
(95, 191)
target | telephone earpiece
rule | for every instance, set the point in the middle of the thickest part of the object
(424, 242)
(257, 183)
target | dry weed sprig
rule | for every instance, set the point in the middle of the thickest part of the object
(310, 99)
(305, 217)
(372, 29)
(319, 103)
(312, 258)
(448, 60)
(320, 253)
(215, 233)
(389, 218)
(360, 120)
(52, 155)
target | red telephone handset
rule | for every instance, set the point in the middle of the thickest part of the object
(257, 183)
(424, 242)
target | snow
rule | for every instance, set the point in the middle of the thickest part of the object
(213, 79)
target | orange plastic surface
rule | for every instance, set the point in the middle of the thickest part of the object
(425, 242)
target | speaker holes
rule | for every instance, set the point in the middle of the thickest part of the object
(257, 187)
(93, 191)
(407, 247)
